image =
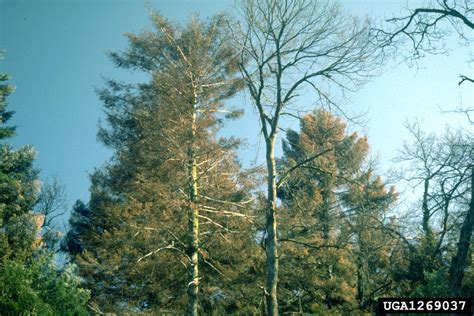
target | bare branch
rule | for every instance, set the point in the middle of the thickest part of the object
(299, 165)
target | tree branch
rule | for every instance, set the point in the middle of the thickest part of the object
(300, 164)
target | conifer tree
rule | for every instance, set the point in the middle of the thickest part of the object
(30, 281)
(18, 188)
(367, 202)
(321, 227)
(170, 211)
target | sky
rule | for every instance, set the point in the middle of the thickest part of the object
(55, 52)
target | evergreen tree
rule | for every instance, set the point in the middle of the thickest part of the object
(18, 188)
(79, 223)
(170, 211)
(367, 202)
(30, 282)
(324, 166)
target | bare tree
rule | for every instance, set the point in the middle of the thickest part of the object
(290, 47)
(443, 168)
(426, 29)
(51, 204)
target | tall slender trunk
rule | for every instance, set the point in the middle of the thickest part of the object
(460, 260)
(429, 236)
(325, 217)
(360, 296)
(428, 249)
(360, 285)
(271, 244)
(193, 221)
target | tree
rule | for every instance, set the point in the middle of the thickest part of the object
(51, 201)
(333, 210)
(375, 250)
(18, 188)
(460, 260)
(426, 28)
(30, 281)
(443, 167)
(173, 196)
(40, 287)
(79, 224)
(287, 47)
(51, 204)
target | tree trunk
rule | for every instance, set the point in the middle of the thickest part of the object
(271, 244)
(193, 225)
(360, 286)
(360, 296)
(460, 260)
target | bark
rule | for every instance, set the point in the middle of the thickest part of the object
(426, 211)
(360, 296)
(360, 285)
(271, 245)
(193, 224)
(460, 260)
(325, 216)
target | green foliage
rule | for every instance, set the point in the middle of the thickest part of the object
(21, 232)
(17, 293)
(37, 287)
(30, 282)
(436, 285)
(79, 223)
(5, 91)
(19, 186)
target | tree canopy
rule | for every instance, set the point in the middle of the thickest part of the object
(177, 220)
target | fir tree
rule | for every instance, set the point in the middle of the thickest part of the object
(325, 163)
(170, 212)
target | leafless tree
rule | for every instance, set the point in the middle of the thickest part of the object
(291, 47)
(460, 260)
(443, 168)
(51, 202)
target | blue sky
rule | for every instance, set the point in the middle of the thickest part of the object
(56, 56)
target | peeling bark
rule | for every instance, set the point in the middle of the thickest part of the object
(193, 220)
